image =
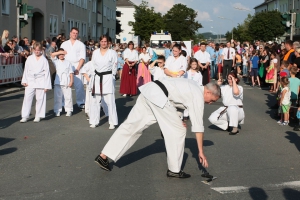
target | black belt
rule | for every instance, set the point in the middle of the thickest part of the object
(225, 110)
(162, 87)
(101, 74)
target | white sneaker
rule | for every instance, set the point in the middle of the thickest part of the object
(23, 120)
(111, 127)
(93, 126)
(37, 119)
(69, 114)
(124, 95)
(57, 114)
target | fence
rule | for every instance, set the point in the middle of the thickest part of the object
(11, 70)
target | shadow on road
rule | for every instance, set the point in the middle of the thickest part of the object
(122, 109)
(159, 147)
(18, 96)
(6, 151)
(291, 194)
(294, 139)
(258, 193)
(4, 123)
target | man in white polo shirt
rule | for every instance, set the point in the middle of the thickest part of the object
(204, 60)
(76, 54)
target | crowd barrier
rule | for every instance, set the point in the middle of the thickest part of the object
(11, 70)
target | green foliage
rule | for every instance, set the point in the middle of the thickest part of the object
(146, 21)
(181, 22)
(266, 26)
(241, 32)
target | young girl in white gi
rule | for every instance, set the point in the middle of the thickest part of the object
(63, 83)
(102, 83)
(193, 73)
(176, 64)
(37, 81)
(232, 113)
(158, 71)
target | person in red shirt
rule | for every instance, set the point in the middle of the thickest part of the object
(196, 48)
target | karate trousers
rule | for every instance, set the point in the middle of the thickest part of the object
(143, 114)
(63, 92)
(95, 105)
(79, 86)
(88, 96)
(40, 105)
(234, 115)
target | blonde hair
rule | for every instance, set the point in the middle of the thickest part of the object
(4, 34)
(298, 50)
(38, 45)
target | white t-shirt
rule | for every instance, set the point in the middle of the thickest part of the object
(145, 57)
(245, 60)
(287, 96)
(131, 55)
(202, 57)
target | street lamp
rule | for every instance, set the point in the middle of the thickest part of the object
(231, 21)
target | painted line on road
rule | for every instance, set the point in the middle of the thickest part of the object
(242, 189)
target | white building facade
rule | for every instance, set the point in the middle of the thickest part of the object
(127, 10)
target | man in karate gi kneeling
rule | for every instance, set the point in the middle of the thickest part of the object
(158, 102)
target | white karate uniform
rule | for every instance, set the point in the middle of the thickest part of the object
(61, 85)
(176, 65)
(157, 73)
(153, 106)
(195, 77)
(202, 57)
(103, 63)
(86, 69)
(234, 114)
(37, 76)
(75, 53)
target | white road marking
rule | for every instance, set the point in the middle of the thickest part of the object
(241, 189)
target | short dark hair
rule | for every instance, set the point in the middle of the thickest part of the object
(202, 43)
(130, 43)
(289, 42)
(178, 46)
(183, 52)
(161, 57)
(74, 28)
(104, 36)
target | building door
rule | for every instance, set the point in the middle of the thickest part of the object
(37, 27)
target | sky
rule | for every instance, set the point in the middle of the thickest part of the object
(210, 10)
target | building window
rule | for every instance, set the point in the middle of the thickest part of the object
(71, 1)
(104, 11)
(63, 11)
(84, 4)
(70, 24)
(94, 31)
(78, 2)
(53, 24)
(94, 6)
(90, 17)
(5, 7)
(84, 30)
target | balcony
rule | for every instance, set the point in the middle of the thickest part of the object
(99, 18)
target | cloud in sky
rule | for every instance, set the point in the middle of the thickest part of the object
(209, 10)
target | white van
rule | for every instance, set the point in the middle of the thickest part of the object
(159, 40)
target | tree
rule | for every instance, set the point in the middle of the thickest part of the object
(181, 22)
(118, 27)
(241, 32)
(266, 26)
(146, 21)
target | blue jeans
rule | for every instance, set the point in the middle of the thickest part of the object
(245, 70)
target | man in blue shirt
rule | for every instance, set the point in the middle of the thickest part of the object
(211, 50)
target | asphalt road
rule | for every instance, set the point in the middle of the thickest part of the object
(54, 159)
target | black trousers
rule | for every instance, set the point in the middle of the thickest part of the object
(227, 65)
(205, 74)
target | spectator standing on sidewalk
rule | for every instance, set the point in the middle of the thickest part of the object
(5, 37)
(76, 54)
(228, 60)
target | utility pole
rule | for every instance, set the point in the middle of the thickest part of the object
(293, 22)
(18, 19)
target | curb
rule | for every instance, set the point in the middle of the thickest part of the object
(12, 91)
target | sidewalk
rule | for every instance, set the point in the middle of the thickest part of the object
(10, 88)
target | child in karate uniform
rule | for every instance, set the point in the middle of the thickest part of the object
(37, 81)
(63, 83)
(158, 71)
